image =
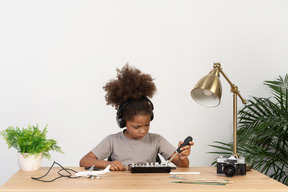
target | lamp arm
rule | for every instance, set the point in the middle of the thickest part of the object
(234, 88)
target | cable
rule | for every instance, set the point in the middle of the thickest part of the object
(68, 171)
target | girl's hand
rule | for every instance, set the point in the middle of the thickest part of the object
(116, 166)
(185, 150)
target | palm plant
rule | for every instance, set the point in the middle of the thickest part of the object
(263, 133)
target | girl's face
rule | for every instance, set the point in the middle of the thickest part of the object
(138, 127)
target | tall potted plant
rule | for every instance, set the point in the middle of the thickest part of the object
(263, 132)
(31, 144)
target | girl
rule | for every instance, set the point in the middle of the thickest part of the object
(129, 93)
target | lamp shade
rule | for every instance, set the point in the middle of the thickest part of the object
(208, 90)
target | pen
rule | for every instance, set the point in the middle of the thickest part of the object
(186, 142)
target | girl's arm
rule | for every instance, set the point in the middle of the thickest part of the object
(90, 159)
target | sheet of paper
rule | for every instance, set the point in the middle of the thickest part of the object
(184, 173)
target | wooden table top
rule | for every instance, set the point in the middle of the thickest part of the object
(126, 181)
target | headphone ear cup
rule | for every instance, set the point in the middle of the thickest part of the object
(120, 121)
(119, 115)
(152, 116)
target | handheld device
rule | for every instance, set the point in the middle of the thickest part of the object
(186, 142)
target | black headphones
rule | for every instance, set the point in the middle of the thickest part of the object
(119, 115)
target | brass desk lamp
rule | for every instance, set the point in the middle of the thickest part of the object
(208, 91)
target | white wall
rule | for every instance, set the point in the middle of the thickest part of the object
(55, 57)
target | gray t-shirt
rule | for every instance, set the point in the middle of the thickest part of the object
(127, 151)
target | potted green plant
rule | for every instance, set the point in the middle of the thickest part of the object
(263, 132)
(31, 144)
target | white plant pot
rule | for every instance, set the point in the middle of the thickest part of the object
(29, 162)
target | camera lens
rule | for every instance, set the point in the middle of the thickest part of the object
(230, 169)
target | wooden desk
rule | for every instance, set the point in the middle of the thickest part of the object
(126, 181)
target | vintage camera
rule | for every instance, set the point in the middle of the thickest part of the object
(231, 166)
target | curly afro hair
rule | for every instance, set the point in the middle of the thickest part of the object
(130, 84)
